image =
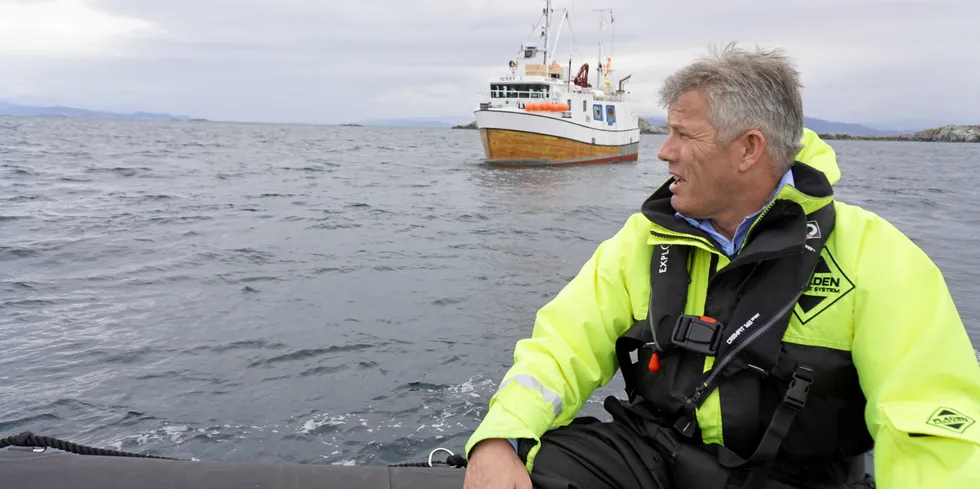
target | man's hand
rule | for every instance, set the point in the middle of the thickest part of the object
(493, 464)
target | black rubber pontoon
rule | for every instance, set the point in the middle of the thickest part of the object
(31, 466)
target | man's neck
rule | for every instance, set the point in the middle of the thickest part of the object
(726, 228)
(752, 202)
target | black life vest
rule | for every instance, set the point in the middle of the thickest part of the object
(800, 404)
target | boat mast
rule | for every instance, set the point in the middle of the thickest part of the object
(547, 30)
(598, 66)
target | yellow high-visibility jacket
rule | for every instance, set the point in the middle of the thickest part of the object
(916, 365)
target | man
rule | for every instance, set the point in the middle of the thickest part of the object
(788, 333)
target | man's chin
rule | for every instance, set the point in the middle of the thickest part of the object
(681, 206)
(677, 202)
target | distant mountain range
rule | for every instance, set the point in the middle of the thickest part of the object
(55, 111)
(448, 121)
(818, 125)
(830, 127)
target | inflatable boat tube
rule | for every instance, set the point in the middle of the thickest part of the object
(31, 466)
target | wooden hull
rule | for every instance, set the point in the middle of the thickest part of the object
(518, 148)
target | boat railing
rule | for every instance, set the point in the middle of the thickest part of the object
(504, 96)
(518, 94)
(611, 98)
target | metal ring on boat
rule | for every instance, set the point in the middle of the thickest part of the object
(451, 454)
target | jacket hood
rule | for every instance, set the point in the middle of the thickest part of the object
(819, 155)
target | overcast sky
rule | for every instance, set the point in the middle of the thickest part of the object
(325, 61)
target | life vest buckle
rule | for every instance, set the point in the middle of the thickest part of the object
(799, 388)
(700, 334)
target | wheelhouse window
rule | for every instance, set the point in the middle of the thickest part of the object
(518, 90)
(611, 114)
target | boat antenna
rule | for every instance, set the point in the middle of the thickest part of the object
(534, 28)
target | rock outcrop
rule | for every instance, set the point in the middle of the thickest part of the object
(471, 125)
(952, 134)
(946, 134)
(647, 128)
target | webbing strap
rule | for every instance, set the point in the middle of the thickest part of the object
(793, 402)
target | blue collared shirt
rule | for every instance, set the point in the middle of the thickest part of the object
(732, 246)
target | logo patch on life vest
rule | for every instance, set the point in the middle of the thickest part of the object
(827, 285)
(812, 230)
(950, 419)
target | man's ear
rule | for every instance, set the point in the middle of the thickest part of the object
(752, 147)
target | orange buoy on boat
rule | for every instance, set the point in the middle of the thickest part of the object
(546, 106)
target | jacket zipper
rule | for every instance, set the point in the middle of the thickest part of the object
(755, 223)
(725, 360)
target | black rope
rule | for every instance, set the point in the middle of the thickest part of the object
(28, 439)
(457, 461)
(410, 464)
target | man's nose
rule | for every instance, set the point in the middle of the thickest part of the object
(666, 151)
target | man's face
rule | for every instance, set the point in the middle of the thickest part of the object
(705, 175)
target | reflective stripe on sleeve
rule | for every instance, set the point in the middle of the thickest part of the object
(532, 383)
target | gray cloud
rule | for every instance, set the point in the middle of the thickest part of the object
(333, 61)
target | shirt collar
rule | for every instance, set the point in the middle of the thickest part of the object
(731, 246)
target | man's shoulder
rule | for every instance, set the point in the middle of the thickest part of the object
(855, 213)
(863, 239)
(637, 221)
(630, 240)
(861, 224)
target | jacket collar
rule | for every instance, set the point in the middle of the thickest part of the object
(812, 191)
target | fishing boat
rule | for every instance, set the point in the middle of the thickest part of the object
(538, 112)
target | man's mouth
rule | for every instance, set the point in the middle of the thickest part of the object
(678, 181)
